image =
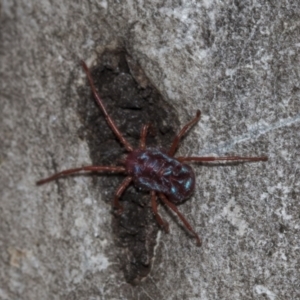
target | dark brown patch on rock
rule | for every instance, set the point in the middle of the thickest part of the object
(132, 101)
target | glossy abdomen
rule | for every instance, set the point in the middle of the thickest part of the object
(153, 169)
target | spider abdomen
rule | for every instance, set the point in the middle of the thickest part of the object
(153, 169)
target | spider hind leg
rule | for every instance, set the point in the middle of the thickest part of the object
(181, 217)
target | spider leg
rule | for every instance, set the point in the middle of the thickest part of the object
(85, 169)
(164, 224)
(122, 187)
(99, 101)
(145, 129)
(144, 132)
(225, 158)
(180, 215)
(185, 128)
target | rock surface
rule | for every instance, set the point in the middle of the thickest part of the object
(237, 61)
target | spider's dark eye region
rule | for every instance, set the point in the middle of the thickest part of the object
(153, 169)
(183, 183)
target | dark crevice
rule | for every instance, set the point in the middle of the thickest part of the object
(132, 101)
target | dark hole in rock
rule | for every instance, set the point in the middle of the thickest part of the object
(132, 101)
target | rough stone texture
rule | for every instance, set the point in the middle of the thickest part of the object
(238, 61)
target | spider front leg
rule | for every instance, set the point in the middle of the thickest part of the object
(111, 123)
(225, 158)
(181, 217)
(185, 128)
(144, 132)
(85, 169)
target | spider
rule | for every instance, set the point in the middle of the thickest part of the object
(152, 169)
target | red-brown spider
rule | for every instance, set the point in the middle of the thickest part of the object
(152, 169)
